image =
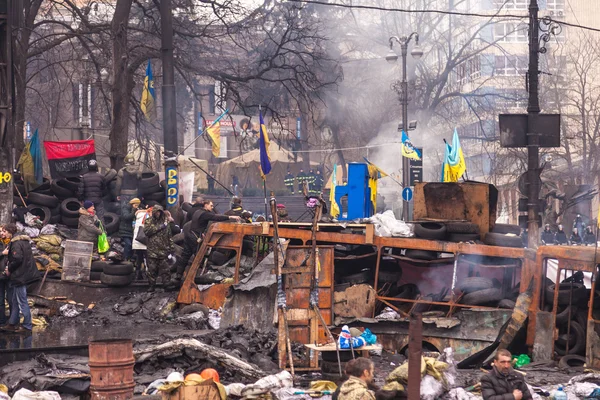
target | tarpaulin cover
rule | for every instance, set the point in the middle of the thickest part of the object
(69, 158)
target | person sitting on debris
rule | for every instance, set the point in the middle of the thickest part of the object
(160, 246)
(89, 224)
(575, 239)
(360, 373)
(547, 235)
(589, 237)
(92, 188)
(503, 383)
(21, 271)
(237, 209)
(126, 224)
(561, 236)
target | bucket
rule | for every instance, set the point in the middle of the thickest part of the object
(111, 366)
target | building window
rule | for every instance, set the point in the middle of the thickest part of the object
(556, 5)
(510, 32)
(511, 65)
(512, 4)
(507, 99)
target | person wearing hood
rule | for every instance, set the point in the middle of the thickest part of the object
(238, 209)
(21, 271)
(360, 373)
(89, 224)
(589, 237)
(160, 247)
(128, 179)
(561, 236)
(575, 237)
(547, 235)
(92, 187)
(503, 383)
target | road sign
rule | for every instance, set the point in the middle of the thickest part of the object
(407, 194)
(416, 169)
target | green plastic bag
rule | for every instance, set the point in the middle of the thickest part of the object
(521, 360)
(103, 245)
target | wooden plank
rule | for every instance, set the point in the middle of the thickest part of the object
(369, 234)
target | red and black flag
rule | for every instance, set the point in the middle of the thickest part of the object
(69, 158)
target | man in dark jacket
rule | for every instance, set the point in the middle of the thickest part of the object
(289, 181)
(503, 383)
(92, 187)
(547, 235)
(238, 209)
(561, 236)
(589, 237)
(128, 180)
(209, 216)
(160, 246)
(21, 271)
(4, 298)
(126, 225)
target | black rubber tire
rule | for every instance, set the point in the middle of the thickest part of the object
(179, 238)
(145, 192)
(41, 211)
(579, 293)
(562, 317)
(408, 291)
(475, 284)
(187, 207)
(482, 297)
(95, 276)
(113, 207)
(461, 227)
(332, 367)
(18, 202)
(149, 179)
(580, 339)
(331, 356)
(360, 277)
(163, 184)
(55, 219)
(21, 189)
(118, 269)
(507, 228)
(421, 254)
(507, 304)
(111, 223)
(59, 190)
(156, 196)
(71, 222)
(501, 239)
(55, 211)
(110, 175)
(430, 230)
(71, 183)
(463, 237)
(98, 266)
(44, 186)
(115, 280)
(70, 208)
(390, 276)
(571, 361)
(42, 200)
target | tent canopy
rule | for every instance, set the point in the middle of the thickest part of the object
(247, 168)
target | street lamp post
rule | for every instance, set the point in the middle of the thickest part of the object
(392, 57)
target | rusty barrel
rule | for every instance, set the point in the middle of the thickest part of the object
(111, 366)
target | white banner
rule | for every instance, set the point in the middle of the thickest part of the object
(186, 184)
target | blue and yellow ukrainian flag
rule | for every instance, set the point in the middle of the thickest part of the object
(408, 150)
(454, 165)
(265, 159)
(148, 102)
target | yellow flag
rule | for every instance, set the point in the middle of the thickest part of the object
(147, 103)
(454, 165)
(214, 133)
(335, 208)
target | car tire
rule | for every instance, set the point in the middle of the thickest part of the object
(421, 254)
(501, 239)
(115, 280)
(507, 304)
(390, 276)
(59, 190)
(111, 223)
(562, 316)
(507, 228)
(156, 196)
(148, 180)
(580, 339)
(571, 361)
(18, 202)
(360, 277)
(331, 356)
(55, 219)
(41, 211)
(481, 297)
(44, 186)
(564, 295)
(332, 367)
(475, 284)
(71, 222)
(408, 291)
(430, 230)
(71, 183)
(463, 237)
(461, 227)
(98, 266)
(118, 269)
(95, 276)
(110, 175)
(70, 208)
(19, 188)
(42, 200)
(113, 207)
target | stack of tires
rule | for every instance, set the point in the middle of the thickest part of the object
(66, 190)
(42, 203)
(478, 291)
(462, 232)
(69, 212)
(151, 190)
(115, 273)
(571, 317)
(110, 199)
(504, 235)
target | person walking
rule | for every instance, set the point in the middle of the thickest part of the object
(93, 187)
(289, 181)
(311, 180)
(318, 185)
(21, 271)
(139, 248)
(89, 224)
(503, 382)
(159, 248)
(126, 225)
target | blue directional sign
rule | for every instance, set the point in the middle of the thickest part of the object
(407, 194)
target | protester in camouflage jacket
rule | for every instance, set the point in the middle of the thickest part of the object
(160, 246)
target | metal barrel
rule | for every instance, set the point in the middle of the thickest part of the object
(111, 366)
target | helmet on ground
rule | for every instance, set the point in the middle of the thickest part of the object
(209, 373)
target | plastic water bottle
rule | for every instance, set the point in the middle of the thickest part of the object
(559, 394)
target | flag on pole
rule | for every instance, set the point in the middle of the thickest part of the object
(36, 153)
(454, 165)
(30, 163)
(335, 208)
(381, 173)
(214, 133)
(265, 159)
(408, 150)
(147, 103)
